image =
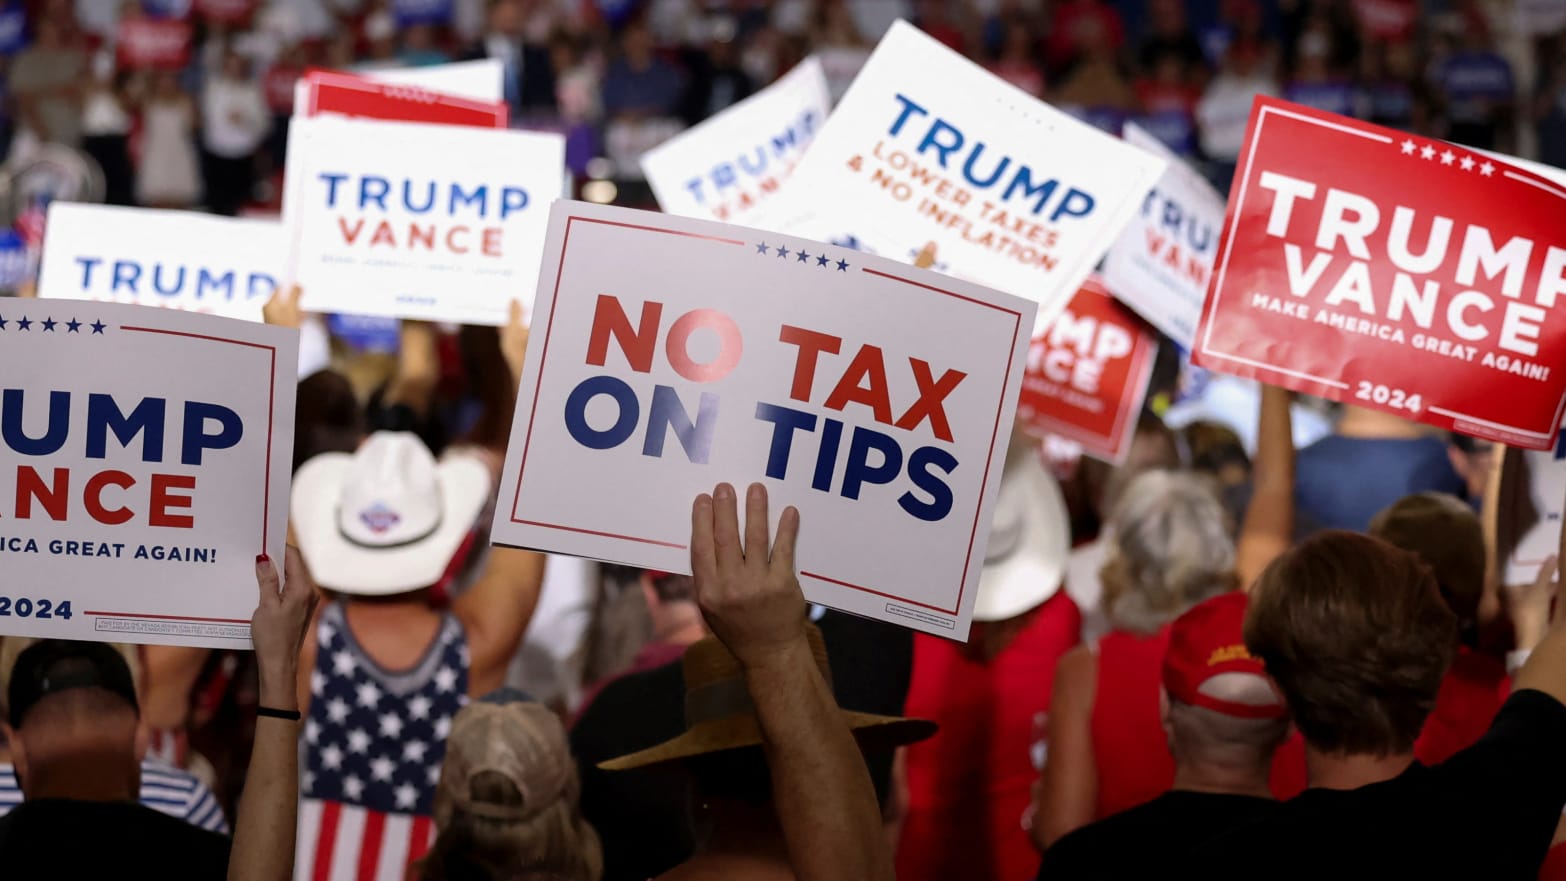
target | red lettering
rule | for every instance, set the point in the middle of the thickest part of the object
(424, 234)
(451, 241)
(163, 499)
(383, 235)
(30, 486)
(932, 394)
(491, 245)
(637, 345)
(677, 346)
(868, 386)
(811, 344)
(1155, 241)
(342, 224)
(92, 497)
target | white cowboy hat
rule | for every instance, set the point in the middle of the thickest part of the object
(387, 518)
(1030, 538)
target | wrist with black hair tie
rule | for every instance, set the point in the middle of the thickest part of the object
(272, 713)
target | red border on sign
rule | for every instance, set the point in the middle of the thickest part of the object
(983, 485)
(1507, 433)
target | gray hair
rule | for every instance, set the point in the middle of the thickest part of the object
(1170, 550)
(1198, 735)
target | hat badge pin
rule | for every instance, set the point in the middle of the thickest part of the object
(379, 518)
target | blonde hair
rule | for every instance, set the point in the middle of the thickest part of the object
(1170, 550)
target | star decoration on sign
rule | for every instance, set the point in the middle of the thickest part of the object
(761, 248)
(803, 255)
(1467, 164)
(1427, 152)
(3, 322)
(782, 252)
(1408, 147)
(1487, 169)
(842, 266)
(73, 326)
(48, 324)
(821, 260)
(1447, 157)
(24, 324)
(97, 327)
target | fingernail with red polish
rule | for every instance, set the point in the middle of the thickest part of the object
(262, 559)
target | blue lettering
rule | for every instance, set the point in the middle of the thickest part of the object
(576, 412)
(783, 143)
(723, 176)
(261, 285)
(53, 437)
(127, 272)
(694, 185)
(104, 416)
(858, 471)
(512, 200)
(785, 421)
(1075, 204)
(971, 175)
(919, 465)
(157, 280)
(1024, 180)
(667, 412)
(480, 195)
(909, 108)
(380, 186)
(932, 139)
(826, 459)
(407, 197)
(87, 264)
(196, 439)
(332, 180)
(216, 284)
(761, 162)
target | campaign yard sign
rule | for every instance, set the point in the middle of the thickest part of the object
(1163, 261)
(174, 259)
(413, 220)
(1406, 274)
(144, 463)
(876, 397)
(731, 166)
(1545, 490)
(928, 153)
(1087, 375)
(344, 94)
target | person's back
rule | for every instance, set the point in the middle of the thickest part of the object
(1132, 760)
(1344, 479)
(74, 740)
(1357, 637)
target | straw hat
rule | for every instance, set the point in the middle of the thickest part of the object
(386, 518)
(719, 714)
(1030, 538)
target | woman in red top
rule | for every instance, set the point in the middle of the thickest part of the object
(1171, 549)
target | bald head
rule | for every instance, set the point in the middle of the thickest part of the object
(82, 743)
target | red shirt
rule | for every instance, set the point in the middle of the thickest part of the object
(1470, 696)
(970, 785)
(1130, 746)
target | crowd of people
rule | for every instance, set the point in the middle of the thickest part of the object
(1234, 651)
(207, 125)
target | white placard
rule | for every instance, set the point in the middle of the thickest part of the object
(930, 151)
(144, 463)
(1546, 488)
(408, 220)
(176, 259)
(875, 397)
(732, 166)
(481, 80)
(1162, 261)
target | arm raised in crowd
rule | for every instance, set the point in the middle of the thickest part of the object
(1545, 669)
(265, 827)
(495, 612)
(752, 601)
(1269, 520)
(418, 369)
(513, 342)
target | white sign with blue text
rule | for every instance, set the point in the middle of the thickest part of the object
(144, 465)
(1163, 259)
(175, 259)
(875, 397)
(929, 155)
(409, 220)
(733, 166)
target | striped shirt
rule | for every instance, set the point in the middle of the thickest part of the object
(164, 788)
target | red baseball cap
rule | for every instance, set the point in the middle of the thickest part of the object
(1206, 642)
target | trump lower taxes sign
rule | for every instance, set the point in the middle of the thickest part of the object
(875, 397)
(177, 259)
(928, 152)
(144, 463)
(412, 220)
(1408, 275)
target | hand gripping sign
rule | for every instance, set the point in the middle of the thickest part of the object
(1088, 373)
(1162, 264)
(670, 354)
(1403, 274)
(144, 463)
(732, 166)
(175, 259)
(412, 220)
(927, 150)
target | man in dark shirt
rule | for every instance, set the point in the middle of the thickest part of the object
(1224, 721)
(77, 746)
(1356, 636)
(1371, 460)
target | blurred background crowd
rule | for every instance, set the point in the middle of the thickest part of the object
(185, 103)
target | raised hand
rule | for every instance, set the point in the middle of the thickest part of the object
(748, 592)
